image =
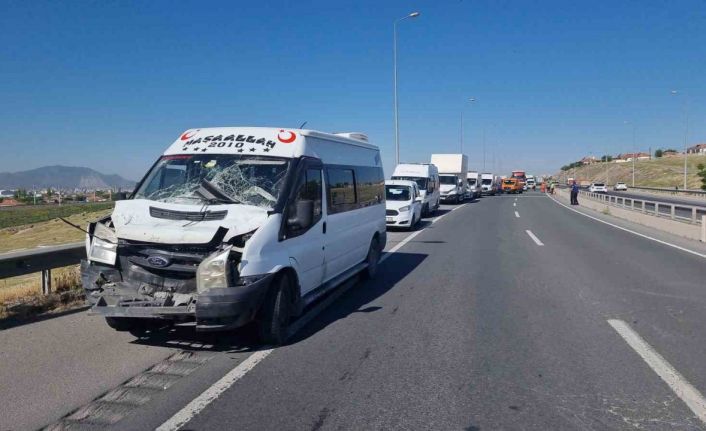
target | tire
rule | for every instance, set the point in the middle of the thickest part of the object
(135, 326)
(276, 312)
(372, 259)
(425, 211)
(122, 324)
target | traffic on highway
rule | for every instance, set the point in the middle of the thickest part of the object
(318, 216)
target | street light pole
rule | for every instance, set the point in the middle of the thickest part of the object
(472, 99)
(394, 62)
(634, 154)
(686, 134)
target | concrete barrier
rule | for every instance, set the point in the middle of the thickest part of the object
(685, 230)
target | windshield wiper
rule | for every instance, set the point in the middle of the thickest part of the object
(211, 193)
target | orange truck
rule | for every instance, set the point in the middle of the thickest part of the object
(521, 178)
(511, 185)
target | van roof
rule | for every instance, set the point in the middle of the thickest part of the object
(268, 141)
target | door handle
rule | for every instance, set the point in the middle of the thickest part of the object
(324, 227)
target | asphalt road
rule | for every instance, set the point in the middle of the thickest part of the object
(473, 323)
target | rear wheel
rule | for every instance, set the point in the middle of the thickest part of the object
(373, 259)
(276, 312)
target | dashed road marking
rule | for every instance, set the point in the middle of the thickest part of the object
(199, 403)
(517, 214)
(534, 237)
(681, 387)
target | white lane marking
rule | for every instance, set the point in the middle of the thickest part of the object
(199, 403)
(695, 253)
(517, 214)
(414, 234)
(684, 390)
(534, 237)
(514, 204)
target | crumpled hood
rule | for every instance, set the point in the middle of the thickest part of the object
(132, 221)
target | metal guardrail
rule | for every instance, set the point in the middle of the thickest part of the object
(43, 260)
(686, 213)
(688, 192)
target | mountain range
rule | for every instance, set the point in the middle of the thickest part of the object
(63, 177)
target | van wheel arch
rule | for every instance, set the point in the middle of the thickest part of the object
(294, 289)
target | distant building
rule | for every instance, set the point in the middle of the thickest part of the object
(670, 153)
(7, 193)
(589, 160)
(628, 157)
(697, 149)
(8, 202)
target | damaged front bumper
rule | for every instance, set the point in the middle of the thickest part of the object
(213, 310)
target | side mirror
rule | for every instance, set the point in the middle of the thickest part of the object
(304, 216)
(120, 196)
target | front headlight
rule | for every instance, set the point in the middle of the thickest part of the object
(403, 209)
(212, 272)
(104, 245)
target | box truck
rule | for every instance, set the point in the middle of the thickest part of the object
(453, 169)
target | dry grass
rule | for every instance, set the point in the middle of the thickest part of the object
(46, 233)
(665, 172)
(23, 293)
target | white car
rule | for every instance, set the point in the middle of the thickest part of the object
(403, 204)
(620, 186)
(598, 188)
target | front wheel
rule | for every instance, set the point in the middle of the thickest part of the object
(373, 259)
(276, 312)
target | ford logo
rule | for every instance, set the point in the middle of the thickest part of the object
(158, 261)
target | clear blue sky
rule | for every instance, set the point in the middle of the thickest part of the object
(110, 84)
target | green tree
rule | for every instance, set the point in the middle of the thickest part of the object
(606, 158)
(702, 175)
(658, 153)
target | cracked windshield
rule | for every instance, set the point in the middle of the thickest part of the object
(353, 215)
(245, 180)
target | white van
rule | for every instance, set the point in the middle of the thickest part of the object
(426, 176)
(237, 224)
(488, 183)
(473, 179)
(452, 176)
(403, 204)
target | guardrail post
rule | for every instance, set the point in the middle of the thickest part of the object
(656, 209)
(703, 228)
(632, 204)
(672, 212)
(46, 281)
(693, 215)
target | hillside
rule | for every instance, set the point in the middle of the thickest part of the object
(662, 172)
(65, 177)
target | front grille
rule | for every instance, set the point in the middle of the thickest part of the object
(187, 215)
(391, 212)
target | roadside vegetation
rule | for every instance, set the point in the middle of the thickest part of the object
(667, 172)
(49, 232)
(24, 215)
(21, 297)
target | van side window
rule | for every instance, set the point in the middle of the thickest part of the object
(341, 190)
(370, 185)
(309, 187)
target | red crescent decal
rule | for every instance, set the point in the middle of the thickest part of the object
(187, 135)
(289, 140)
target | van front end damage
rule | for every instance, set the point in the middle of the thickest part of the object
(136, 284)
